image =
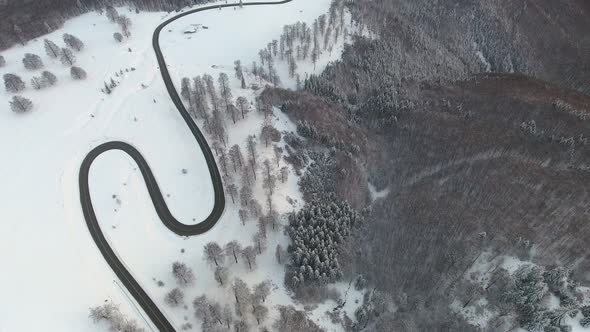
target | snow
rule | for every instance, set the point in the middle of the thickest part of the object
(53, 270)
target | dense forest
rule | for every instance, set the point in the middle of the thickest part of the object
(473, 115)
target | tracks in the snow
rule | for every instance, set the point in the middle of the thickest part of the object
(142, 298)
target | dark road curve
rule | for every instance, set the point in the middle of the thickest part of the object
(133, 287)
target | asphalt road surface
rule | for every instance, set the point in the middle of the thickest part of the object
(146, 303)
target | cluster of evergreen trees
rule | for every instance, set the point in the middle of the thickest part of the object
(527, 290)
(316, 233)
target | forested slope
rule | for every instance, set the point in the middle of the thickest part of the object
(475, 116)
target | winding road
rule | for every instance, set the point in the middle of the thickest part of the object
(142, 298)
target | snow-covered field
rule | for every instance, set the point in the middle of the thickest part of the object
(52, 271)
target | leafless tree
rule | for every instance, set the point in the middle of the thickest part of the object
(269, 181)
(245, 195)
(49, 78)
(238, 69)
(242, 326)
(227, 316)
(183, 274)
(224, 89)
(251, 146)
(237, 159)
(209, 311)
(232, 191)
(278, 153)
(243, 214)
(233, 248)
(38, 83)
(284, 174)
(269, 133)
(249, 254)
(280, 253)
(221, 274)
(259, 238)
(260, 312)
(174, 298)
(261, 291)
(243, 105)
(125, 24)
(213, 253)
(223, 161)
(242, 295)
(255, 208)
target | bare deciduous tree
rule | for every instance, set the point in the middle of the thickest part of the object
(213, 253)
(174, 298)
(243, 214)
(77, 73)
(183, 274)
(261, 291)
(242, 295)
(32, 61)
(73, 42)
(233, 249)
(260, 312)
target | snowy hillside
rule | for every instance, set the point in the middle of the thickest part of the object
(53, 270)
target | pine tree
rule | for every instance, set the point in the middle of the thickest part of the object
(32, 61)
(111, 13)
(13, 83)
(73, 42)
(20, 104)
(67, 57)
(213, 253)
(243, 106)
(2, 61)
(77, 73)
(52, 50)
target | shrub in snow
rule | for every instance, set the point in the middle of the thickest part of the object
(174, 298)
(67, 57)
(52, 50)
(32, 61)
(13, 83)
(49, 78)
(77, 73)
(73, 42)
(20, 104)
(118, 36)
